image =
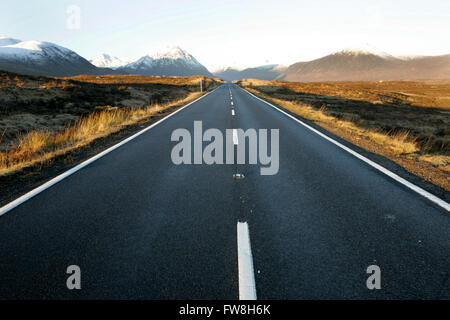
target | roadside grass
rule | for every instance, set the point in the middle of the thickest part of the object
(423, 94)
(440, 161)
(400, 142)
(39, 146)
(417, 138)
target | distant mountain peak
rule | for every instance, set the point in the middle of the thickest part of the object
(34, 50)
(169, 61)
(223, 68)
(264, 72)
(41, 58)
(106, 60)
(368, 64)
(171, 52)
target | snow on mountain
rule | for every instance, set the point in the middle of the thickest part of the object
(108, 61)
(170, 53)
(35, 50)
(6, 41)
(41, 58)
(169, 61)
(367, 64)
(49, 59)
(221, 68)
(365, 50)
(165, 56)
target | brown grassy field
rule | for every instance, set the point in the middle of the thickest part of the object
(136, 79)
(42, 118)
(408, 122)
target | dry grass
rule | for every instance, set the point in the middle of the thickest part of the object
(376, 107)
(417, 138)
(136, 79)
(431, 94)
(399, 143)
(40, 103)
(41, 145)
(440, 161)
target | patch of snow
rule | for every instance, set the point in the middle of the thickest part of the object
(172, 53)
(36, 52)
(223, 68)
(168, 55)
(364, 50)
(108, 61)
(144, 62)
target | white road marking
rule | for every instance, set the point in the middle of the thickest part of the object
(247, 288)
(48, 184)
(232, 103)
(375, 165)
(238, 176)
(235, 137)
(232, 112)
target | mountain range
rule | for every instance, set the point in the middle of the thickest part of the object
(49, 59)
(368, 65)
(267, 72)
(170, 61)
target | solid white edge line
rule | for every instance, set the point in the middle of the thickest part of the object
(247, 287)
(387, 172)
(8, 207)
(235, 137)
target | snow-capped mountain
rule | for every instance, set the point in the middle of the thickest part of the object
(222, 68)
(108, 61)
(49, 59)
(368, 64)
(365, 49)
(41, 58)
(170, 61)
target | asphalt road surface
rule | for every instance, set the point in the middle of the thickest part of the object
(141, 227)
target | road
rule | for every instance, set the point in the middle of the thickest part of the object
(140, 227)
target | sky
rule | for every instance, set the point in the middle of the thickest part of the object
(232, 33)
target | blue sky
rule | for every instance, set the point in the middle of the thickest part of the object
(238, 33)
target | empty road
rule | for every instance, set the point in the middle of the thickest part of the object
(141, 227)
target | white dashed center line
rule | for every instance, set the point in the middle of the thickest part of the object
(232, 112)
(235, 137)
(247, 288)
